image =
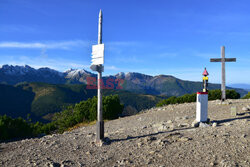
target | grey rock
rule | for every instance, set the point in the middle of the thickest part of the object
(139, 144)
(163, 128)
(90, 134)
(245, 109)
(124, 162)
(203, 125)
(195, 124)
(228, 124)
(184, 139)
(177, 118)
(80, 164)
(228, 163)
(214, 124)
(67, 162)
(150, 139)
(88, 153)
(53, 164)
(151, 152)
(169, 121)
(184, 118)
(183, 125)
(171, 127)
(244, 135)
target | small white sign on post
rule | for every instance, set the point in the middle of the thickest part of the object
(97, 54)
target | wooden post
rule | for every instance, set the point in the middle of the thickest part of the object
(223, 75)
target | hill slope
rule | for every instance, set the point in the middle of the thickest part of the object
(158, 137)
(41, 99)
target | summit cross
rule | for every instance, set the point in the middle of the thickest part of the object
(223, 73)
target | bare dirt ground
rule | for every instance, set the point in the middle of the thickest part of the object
(156, 137)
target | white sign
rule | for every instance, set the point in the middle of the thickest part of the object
(97, 54)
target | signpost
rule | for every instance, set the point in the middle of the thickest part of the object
(97, 65)
(223, 75)
(98, 54)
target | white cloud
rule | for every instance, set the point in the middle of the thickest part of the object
(47, 45)
(39, 61)
(19, 28)
(111, 68)
(123, 43)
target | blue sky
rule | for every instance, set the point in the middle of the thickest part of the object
(153, 37)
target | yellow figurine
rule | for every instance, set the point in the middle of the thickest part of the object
(205, 80)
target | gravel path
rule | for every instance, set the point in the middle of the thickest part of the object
(156, 137)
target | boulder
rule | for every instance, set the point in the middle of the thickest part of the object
(195, 124)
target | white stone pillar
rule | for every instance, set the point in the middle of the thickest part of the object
(201, 106)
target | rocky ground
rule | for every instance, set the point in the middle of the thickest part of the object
(156, 137)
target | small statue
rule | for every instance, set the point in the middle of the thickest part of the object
(205, 80)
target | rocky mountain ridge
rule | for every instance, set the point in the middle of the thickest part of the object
(135, 82)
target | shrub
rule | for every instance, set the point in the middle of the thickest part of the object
(112, 108)
(247, 96)
(187, 98)
(177, 100)
(14, 128)
(82, 112)
(86, 111)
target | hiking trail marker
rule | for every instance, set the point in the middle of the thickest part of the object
(223, 73)
(97, 65)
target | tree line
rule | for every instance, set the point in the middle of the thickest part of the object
(85, 111)
(188, 98)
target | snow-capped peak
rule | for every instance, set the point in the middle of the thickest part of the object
(76, 72)
(16, 70)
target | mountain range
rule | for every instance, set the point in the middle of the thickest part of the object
(135, 82)
(42, 92)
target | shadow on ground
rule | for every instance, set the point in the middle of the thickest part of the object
(231, 119)
(109, 141)
(147, 135)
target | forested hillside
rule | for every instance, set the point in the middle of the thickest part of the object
(41, 100)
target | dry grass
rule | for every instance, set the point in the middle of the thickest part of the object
(43, 92)
(83, 124)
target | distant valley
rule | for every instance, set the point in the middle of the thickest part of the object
(42, 92)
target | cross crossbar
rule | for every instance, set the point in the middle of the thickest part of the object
(221, 60)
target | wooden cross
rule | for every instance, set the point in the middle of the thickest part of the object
(223, 75)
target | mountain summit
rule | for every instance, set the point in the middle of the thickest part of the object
(157, 137)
